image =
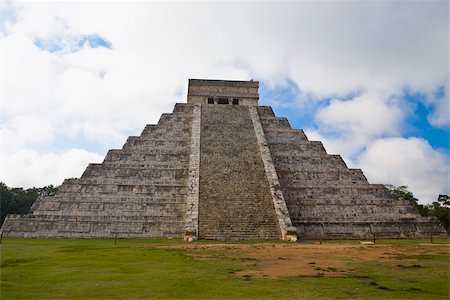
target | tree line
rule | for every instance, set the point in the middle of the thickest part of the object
(19, 201)
(439, 208)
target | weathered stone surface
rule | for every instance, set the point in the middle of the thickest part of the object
(217, 171)
(327, 200)
(235, 200)
(288, 232)
(191, 222)
(138, 191)
(246, 92)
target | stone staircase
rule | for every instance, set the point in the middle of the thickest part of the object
(235, 201)
(328, 200)
(138, 191)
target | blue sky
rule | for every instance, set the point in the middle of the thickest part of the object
(56, 44)
(416, 125)
(369, 80)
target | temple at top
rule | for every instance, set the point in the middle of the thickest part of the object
(225, 92)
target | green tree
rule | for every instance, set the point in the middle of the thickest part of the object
(401, 193)
(439, 209)
(49, 190)
(18, 200)
(444, 200)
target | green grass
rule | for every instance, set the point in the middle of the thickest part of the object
(168, 269)
(421, 278)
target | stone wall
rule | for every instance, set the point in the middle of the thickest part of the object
(246, 91)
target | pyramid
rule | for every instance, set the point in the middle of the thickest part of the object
(221, 167)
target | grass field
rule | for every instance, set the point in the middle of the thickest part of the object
(99, 269)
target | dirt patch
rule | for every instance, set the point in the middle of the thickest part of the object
(328, 260)
(302, 260)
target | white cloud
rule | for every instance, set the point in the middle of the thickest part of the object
(344, 146)
(329, 50)
(346, 127)
(407, 161)
(366, 115)
(23, 131)
(365, 132)
(372, 46)
(27, 168)
(440, 115)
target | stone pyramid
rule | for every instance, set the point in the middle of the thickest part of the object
(221, 167)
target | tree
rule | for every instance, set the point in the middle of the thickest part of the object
(401, 193)
(444, 200)
(439, 209)
(49, 190)
(18, 200)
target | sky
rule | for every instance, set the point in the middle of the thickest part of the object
(368, 79)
